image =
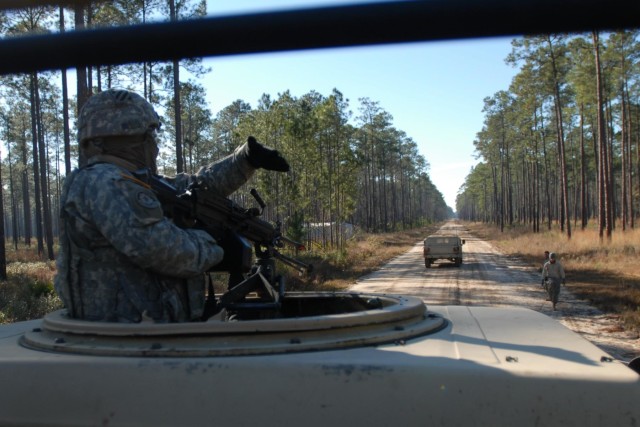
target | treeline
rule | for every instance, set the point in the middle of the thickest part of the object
(561, 145)
(344, 169)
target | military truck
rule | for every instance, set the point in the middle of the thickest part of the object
(443, 246)
(326, 358)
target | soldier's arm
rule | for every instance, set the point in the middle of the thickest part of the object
(228, 174)
(130, 217)
(222, 177)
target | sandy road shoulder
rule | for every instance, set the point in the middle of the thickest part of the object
(489, 278)
(602, 329)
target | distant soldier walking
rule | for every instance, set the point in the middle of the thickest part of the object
(553, 276)
(544, 282)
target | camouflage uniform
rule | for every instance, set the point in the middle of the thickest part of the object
(553, 274)
(121, 259)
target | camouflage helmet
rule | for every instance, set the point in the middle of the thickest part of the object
(116, 112)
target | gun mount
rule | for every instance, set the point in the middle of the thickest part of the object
(235, 229)
(308, 321)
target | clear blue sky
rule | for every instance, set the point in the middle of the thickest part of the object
(434, 91)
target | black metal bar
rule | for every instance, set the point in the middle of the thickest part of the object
(377, 23)
(24, 4)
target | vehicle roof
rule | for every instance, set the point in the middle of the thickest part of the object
(488, 366)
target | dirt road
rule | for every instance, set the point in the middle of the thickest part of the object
(489, 278)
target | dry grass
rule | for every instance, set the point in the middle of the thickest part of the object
(23, 253)
(605, 272)
(337, 270)
(28, 293)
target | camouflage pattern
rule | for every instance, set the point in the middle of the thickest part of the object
(116, 113)
(223, 177)
(120, 259)
(553, 273)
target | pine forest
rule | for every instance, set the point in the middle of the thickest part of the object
(561, 145)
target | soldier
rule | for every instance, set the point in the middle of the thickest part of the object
(121, 259)
(544, 282)
(546, 258)
(553, 274)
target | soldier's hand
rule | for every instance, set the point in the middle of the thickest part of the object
(264, 157)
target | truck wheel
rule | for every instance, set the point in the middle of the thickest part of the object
(427, 263)
(458, 262)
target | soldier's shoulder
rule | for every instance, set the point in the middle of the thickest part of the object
(104, 170)
(103, 167)
(99, 175)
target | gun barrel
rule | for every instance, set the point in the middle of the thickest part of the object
(302, 267)
(299, 246)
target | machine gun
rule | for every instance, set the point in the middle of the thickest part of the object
(235, 229)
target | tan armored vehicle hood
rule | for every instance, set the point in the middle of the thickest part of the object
(395, 363)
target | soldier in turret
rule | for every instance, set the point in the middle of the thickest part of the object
(121, 259)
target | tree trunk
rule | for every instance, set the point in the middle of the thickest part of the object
(637, 123)
(583, 174)
(46, 208)
(26, 200)
(82, 89)
(34, 153)
(630, 163)
(603, 178)
(14, 208)
(623, 152)
(547, 190)
(3, 251)
(561, 144)
(65, 109)
(176, 99)
(613, 208)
